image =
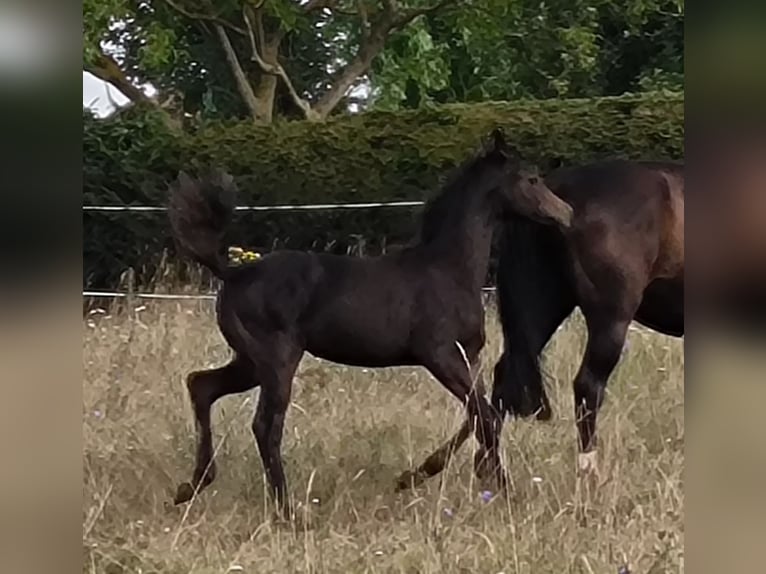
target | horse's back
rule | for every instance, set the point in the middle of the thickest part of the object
(616, 185)
(628, 216)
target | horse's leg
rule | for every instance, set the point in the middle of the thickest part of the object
(606, 338)
(450, 369)
(438, 460)
(509, 381)
(276, 387)
(206, 387)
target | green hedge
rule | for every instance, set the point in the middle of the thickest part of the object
(376, 156)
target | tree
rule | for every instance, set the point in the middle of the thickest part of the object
(238, 58)
(310, 58)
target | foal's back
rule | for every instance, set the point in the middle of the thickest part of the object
(352, 310)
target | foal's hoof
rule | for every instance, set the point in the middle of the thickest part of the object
(408, 479)
(489, 468)
(184, 493)
(544, 414)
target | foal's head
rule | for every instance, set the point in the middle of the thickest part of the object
(521, 190)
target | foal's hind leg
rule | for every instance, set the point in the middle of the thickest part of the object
(206, 387)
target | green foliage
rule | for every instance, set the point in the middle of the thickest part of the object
(99, 17)
(505, 50)
(378, 156)
(126, 160)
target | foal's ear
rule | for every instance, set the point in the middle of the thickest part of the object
(497, 140)
(498, 144)
(184, 179)
(225, 179)
(220, 178)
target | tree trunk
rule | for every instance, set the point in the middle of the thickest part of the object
(266, 85)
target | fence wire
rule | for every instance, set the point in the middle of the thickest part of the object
(261, 208)
(245, 208)
(174, 296)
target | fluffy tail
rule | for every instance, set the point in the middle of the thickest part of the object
(200, 212)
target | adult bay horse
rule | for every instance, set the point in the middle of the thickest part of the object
(420, 306)
(622, 259)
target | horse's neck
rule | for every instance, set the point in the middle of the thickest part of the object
(463, 250)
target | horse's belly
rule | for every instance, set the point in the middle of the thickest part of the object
(359, 343)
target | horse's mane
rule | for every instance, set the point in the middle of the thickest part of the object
(441, 209)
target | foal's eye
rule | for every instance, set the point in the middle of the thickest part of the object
(533, 180)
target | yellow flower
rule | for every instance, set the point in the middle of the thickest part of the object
(237, 255)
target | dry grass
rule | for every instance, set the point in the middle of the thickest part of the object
(349, 433)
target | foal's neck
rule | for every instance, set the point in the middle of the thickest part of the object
(463, 242)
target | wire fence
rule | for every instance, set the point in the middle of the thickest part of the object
(262, 208)
(245, 208)
(173, 296)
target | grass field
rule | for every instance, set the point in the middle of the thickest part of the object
(349, 433)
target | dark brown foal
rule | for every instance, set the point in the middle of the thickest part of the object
(421, 305)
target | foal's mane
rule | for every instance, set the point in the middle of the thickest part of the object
(444, 207)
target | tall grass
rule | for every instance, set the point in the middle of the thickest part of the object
(349, 433)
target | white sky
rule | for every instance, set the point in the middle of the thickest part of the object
(98, 95)
(95, 96)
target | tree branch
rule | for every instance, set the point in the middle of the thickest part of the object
(346, 78)
(276, 69)
(205, 17)
(402, 18)
(392, 6)
(245, 89)
(362, 9)
(391, 18)
(312, 5)
(107, 69)
(261, 32)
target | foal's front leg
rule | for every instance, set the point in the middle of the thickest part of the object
(206, 387)
(451, 370)
(268, 424)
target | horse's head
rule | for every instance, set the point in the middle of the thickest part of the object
(523, 190)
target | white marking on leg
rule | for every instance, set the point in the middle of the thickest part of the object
(588, 462)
